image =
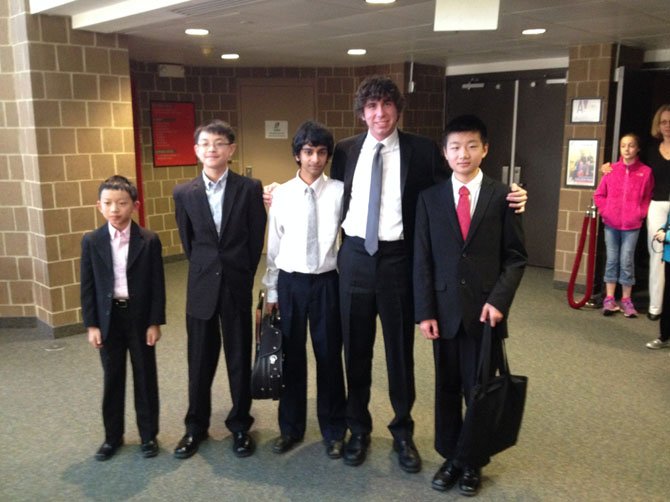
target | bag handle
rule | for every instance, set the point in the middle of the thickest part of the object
(484, 364)
(259, 314)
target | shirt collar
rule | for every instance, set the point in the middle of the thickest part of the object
(317, 185)
(390, 142)
(211, 184)
(472, 184)
(112, 231)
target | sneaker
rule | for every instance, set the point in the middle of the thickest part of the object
(610, 306)
(657, 344)
(628, 307)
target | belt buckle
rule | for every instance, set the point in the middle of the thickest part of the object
(123, 304)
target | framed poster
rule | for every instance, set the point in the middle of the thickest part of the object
(172, 127)
(582, 163)
(586, 110)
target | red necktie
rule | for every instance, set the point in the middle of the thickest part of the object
(463, 210)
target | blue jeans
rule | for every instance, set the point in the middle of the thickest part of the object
(620, 266)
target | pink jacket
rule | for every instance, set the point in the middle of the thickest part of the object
(624, 194)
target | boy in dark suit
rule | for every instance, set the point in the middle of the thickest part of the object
(221, 223)
(469, 257)
(123, 306)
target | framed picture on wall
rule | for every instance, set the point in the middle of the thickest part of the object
(586, 110)
(582, 165)
(172, 126)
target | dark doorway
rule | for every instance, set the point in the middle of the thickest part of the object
(536, 141)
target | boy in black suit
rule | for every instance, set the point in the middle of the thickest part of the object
(221, 223)
(469, 257)
(123, 306)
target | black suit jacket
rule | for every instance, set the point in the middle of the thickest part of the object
(453, 279)
(144, 273)
(421, 166)
(234, 256)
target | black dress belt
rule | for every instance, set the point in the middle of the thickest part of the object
(121, 303)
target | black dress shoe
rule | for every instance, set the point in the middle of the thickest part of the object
(150, 448)
(243, 444)
(653, 317)
(408, 456)
(356, 449)
(107, 450)
(470, 482)
(284, 443)
(334, 448)
(446, 476)
(188, 445)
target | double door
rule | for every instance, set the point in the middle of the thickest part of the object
(524, 114)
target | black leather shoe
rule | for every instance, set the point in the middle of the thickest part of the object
(188, 445)
(653, 317)
(243, 444)
(408, 456)
(150, 448)
(356, 449)
(334, 448)
(284, 443)
(470, 482)
(107, 450)
(446, 476)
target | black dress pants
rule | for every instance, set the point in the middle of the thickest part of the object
(123, 337)
(369, 286)
(232, 325)
(311, 298)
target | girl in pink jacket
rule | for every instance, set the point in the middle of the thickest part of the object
(623, 198)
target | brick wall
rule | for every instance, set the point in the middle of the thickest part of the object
(213, 90)
(66, 124)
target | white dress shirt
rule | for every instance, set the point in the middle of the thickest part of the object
(215, 191)
(287, 229)
(474, 186)
(390, 212)
(119, 240)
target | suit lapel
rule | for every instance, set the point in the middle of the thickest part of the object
(135, 245)
(485, 194)
(349, 170)
(405, 156)
(232, 188)
(103, 245)
(202, 204)
(449, 209)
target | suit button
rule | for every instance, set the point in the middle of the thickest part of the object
(463, 282)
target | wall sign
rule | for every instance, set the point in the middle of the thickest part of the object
(586, 110)
(172, 127)
(276, 129)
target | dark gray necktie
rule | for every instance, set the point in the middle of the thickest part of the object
(374, 202)
(312, 234)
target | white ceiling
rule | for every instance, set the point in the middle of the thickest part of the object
(319, 32)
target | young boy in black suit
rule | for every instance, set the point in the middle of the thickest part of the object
(123, 306)
(469, 257)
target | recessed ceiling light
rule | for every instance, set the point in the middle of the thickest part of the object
(198, 32)
(379, 1)
(533, 31)
(230, 56)
(357, 52)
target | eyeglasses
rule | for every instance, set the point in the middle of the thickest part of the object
(218, 145)
(664, 122)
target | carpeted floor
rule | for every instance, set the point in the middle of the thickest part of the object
(596, 423)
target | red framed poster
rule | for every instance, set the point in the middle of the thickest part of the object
(172, 127)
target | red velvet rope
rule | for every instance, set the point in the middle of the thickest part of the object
(590, 265)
